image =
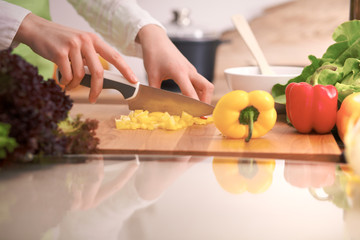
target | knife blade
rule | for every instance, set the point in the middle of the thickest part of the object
(139, 96)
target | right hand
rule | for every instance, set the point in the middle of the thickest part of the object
(162, 61)
(70, 50)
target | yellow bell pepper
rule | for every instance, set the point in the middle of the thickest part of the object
(348, 114)
(239, 114)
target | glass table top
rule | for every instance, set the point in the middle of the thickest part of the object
(178, 197)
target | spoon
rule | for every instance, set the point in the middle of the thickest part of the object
(244, 29)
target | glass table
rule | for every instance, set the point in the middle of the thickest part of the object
(178, 197)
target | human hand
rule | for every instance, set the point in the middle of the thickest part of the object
(162, 61)
(71, 49)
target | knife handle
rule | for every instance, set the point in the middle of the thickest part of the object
(112, 80)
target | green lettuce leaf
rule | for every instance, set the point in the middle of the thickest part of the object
(344, 90)
(339, 65)
(278, 90)
(7, 144)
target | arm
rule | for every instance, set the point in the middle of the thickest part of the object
(131, 29)
(118, 21)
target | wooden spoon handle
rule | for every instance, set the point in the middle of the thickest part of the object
(246, 33)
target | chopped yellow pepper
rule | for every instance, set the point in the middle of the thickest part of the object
(239, 114)
(140, 119)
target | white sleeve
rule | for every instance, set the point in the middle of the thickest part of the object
(11, 17)
(118, 21)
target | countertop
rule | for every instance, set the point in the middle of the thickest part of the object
(178, 197)
(134, 196)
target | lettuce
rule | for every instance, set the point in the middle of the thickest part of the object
(339, 66)
(7, 143)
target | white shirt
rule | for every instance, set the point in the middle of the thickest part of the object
(11, 17)
(118, 22)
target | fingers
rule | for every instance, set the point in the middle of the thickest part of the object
(84, 49)
(195, 86)
(204, 88)
(96, 70)
(77, 67)
(182, 80)
(115, 59)
(65, 70)
(198, 87)
(186, 87)
(154, 81)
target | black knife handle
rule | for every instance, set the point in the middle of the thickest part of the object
(126, 90)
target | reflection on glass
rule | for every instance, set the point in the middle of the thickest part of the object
(351, 183)
(338, 184)
(86, 199)
(345, 194)
(306, 175)
(237, 176)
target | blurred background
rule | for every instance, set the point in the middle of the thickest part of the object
(287, 30)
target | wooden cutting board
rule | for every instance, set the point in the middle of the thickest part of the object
(282, 142)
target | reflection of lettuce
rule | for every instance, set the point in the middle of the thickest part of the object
(339, 66)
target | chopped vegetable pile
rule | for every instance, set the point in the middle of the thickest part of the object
(339, 66)
(140, 119)
(32, 108)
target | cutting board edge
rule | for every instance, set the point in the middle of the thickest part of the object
(306, 157)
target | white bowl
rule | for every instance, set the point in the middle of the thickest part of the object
(250, 78)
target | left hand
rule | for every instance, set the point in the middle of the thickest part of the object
(164, 61)
(69, 49)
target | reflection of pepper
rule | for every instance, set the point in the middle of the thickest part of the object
(237, 176)
(311, 107)
(239, 114)
(309, 175)
(348, 114)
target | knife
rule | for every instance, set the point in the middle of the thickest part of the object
(139, 96)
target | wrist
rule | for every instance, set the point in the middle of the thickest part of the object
(24, 30)
(149, 32)
(27, 27)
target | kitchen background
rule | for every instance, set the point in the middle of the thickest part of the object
(287, 30)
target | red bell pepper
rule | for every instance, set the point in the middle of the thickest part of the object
(311, 107)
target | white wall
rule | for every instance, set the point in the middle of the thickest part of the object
(213, 14)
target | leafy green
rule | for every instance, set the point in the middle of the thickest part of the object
(7, 144)
(344, 90)
(33, 108)
(80, 134)
(339, 65)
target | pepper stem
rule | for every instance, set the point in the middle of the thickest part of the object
(251, 126)
(248, 116)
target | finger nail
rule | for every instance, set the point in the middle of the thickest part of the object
(134, 78)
